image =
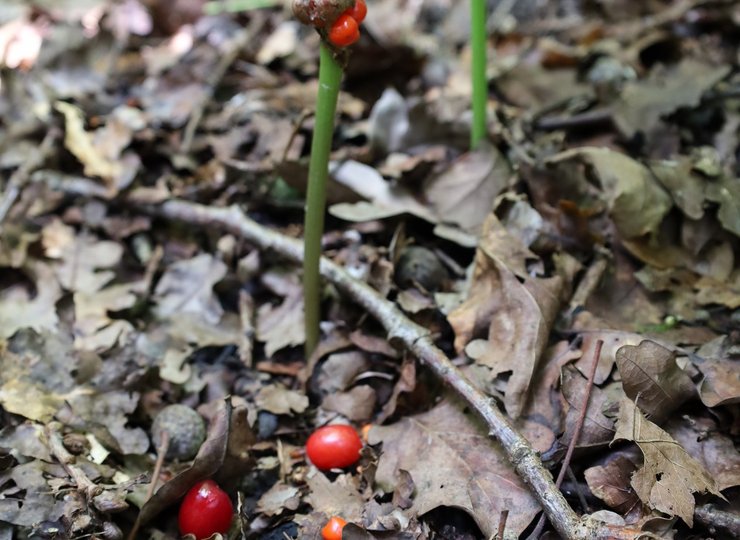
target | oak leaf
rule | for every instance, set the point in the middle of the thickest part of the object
(669, 476)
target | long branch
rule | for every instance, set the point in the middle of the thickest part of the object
(418, 341)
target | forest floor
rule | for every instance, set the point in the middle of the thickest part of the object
(580, 268)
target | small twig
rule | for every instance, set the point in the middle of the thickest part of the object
(576, 432)
(89, 488)
(164, 445)
(246, 317)
(502, 524)
(587, 285)
(305, 115)
(582, 120)
(712, 517)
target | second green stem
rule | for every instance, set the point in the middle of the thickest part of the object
(330, 77)
(479, 129)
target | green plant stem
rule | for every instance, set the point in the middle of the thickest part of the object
(479, 129)
(330, 77)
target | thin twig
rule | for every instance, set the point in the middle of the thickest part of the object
(576, 432)
(164, 446)
(502, 524)
(582, 415)
(576, 121)
(54, 440)
(712, 517)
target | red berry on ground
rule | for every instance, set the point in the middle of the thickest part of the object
(333, 529)
(345, 31)
(205, 510)
(358, 11)
(334, 447)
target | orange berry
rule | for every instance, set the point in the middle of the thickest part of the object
(345, 31)
(358, 11)
(333, 529)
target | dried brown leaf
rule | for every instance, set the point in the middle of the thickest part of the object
(651, 377)
(669, 476)
(516, 311)
(187, 287)
(721, 383)
(340, 497)
(637, 202)
(278, 498)
(356, 404)
(701, 438)
(598, 428)
(453, 462)
(277, 399)
(282, 325)
(611, 483)
(20, 308)
(463, 195)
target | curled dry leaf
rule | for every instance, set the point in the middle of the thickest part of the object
(651, 377)
(611, 483)
(207, 462)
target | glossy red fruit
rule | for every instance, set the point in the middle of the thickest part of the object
(345, 31)
(205, 510)
(358, 11)
(333, 529)
(334, 447)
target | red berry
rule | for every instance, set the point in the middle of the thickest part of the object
(345, 31)
(333, 447)
(333, 529)
(358, 11)
(205, 510)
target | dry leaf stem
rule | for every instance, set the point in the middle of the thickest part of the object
(418, 341)
(576, 432)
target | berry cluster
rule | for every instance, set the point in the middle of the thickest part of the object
(341, 23)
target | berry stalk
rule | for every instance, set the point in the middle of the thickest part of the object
(479, 129)
(330, 76)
